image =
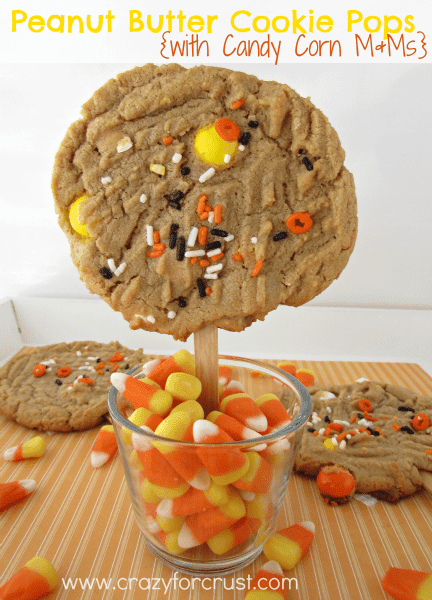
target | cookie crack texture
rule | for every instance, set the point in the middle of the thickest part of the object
(290, 162)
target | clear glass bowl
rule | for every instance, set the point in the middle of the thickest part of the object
(157, 489)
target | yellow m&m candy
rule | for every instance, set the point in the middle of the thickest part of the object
(75, 219)
(218, 143)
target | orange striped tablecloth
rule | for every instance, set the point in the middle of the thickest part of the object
(81, 520)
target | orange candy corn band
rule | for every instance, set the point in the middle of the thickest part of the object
(405, 584)
(25, 585)
(105, 442)
(11, 493)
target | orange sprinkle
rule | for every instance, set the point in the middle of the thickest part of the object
(341, 436)
(237, 257)
(101, 372)
(327, 431)
(64, 371)
(365, 405)
(368, 417)
(385, 417)
(218, 214)
(335, 426)
(204, 216)
(395, 416)
(159, 246)
(315, 433)
(86, 380)
(155, 253)
(217, 257)
(202, 235)
(156, 237)
(208, 208)
(39, 370)
(208, 290)
(257, 268)
(379, 430)
(202, 198)
(116, 357)
(353, 419)
(428, 451)
(238, 103)
(194, 260)
(167, 140)
(99, 366)
(114, 369)
(299, 222)
(363, 429)
(204, 262)
(395, 427)
(352, 432)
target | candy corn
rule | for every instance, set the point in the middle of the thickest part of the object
(289, 545)
(178, 426)
(288, 367)
(230, 392)
(405, 584)
(150, 365)
(225, 374)
(200, 527)
(180, 362)
(31, 582)
(273, 409)
(193, 501)
(104, 447)
(142, 394)
(258, 477)
(224, 465)
(166, 482)
(305, 376)
(170, 540)
(141, 416)
(192, 408)
(15, 491)
(226, 540)
(183, 386)
(268, 583)
(235, 429)
(170, 523)
(33, 448)
(149, 495)
(258, 507)
(243, 408)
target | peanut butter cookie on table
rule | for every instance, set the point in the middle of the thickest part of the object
(62, 387)
(203, 196)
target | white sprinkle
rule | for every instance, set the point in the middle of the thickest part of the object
(151, 319)
(334, 440)
(176, 158)
(361, 380)
(49, 369)
(214, 252)
(78, 353)
(309, 423)
(141, 317)
(229, 237)
(84, 368)
(124, 144)
(191, 253)
(348, 437)
(363, 423)
(171, 314)
(321, 431)
(106, 180)
(342, 422)
(342, 445)
(211, 217)
(51, 361)
(241, 148)
(192, 236)
(314, 414)
(227, 158)
(120, 269)
(143, 198)
(210, 276)
(207, 175)
(91, 358)
(111, 264)
(214, 268)
(150, 241)
(254, 240)
(328, 409)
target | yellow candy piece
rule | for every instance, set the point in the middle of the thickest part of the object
(258, 507)
(148, 492)
(192, 408)
(185, 361)
(33, 448)
(170, 524)
(215, 142)
(149, 381)
(138, 418)
(171, 543)
(75, 219)
(173, 427)
(328, 443)
(164, 492)
(217, 494)
(134, 461)
(183, 386)
(283, 550)
(156, 168)
(43, 567)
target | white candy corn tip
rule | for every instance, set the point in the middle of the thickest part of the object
(201, 481)
(164, 508)
(186, 538)
(249, 434)
(203, 429)
(258, 423)
(272, 566)
(10, 453)
(153, 525)
(279, 446)
(28, 484)
(308, 525)
(150, 365)
(235, 384)
(139, 442)
(246, 495)
(119, 381)
(98, 459)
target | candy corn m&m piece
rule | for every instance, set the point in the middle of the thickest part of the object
(36, 579)
(33, 448)
(142, 394)
(15, 491)
(289, 545)
(405, 584)
(104, 447)
(268, 583)
(335, 483)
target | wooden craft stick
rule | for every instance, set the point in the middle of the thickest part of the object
(206, 365)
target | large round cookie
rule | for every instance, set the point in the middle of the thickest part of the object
(71, 392)
(161, 152)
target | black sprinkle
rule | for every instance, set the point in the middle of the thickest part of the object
(177, 196)
(58, 382)
(407, 429)
(370, 429)
(181, 248)
(360, 416)
(185, 171)
(173, 236)
(327, 419)
(107, 370)
(375, 432)
(98, 360)
(174, 204)
(245, 137)
(219, 232)
(406, 409)
(311, 429)
(127, 367)
(105, 272)
(253, 124)
(307, 163)
(301, 151)
(182, 302)
(212, 246)
(201, 288)
(280, 236)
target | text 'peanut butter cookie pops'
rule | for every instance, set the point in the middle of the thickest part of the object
(202, 198)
